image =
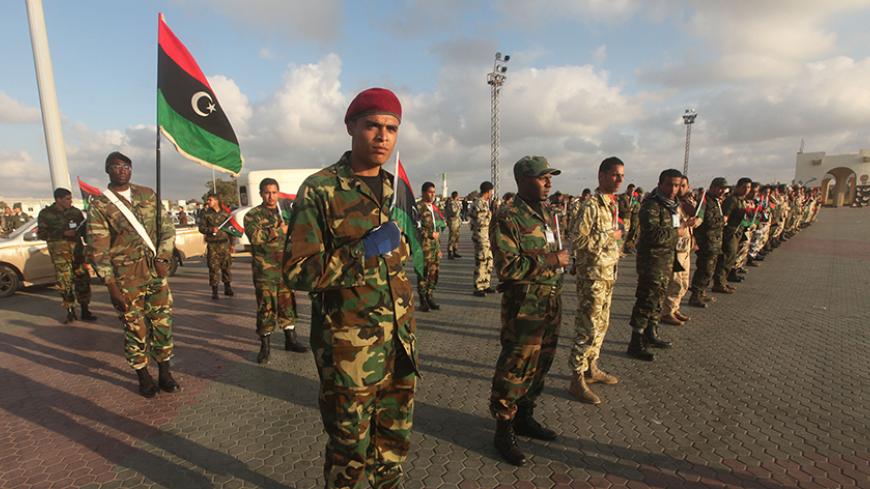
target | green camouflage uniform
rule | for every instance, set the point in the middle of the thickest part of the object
(15, 221)
(431, 250)
(708, 235)
(119, 255)
(362, 325)
(67, 254)
(219, 253)
(453, 209)
(276, 303)
(596, 255)
(733, 209)
(531, 306)
(656, 251)
(481, 215)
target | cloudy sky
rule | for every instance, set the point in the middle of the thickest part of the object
(587, 79)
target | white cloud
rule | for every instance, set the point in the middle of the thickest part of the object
(233, 101)
(14, 112)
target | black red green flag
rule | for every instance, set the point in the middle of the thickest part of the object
(188, 112)
(88, 192)
(404, 214)
(232, 227)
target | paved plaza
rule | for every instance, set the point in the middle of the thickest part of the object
(770, 388)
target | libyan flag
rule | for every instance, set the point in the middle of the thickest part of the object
(188, 112)
(404, 214)
(88, 192)
(232, 227)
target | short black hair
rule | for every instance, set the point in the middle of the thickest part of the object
(685, 177)
(212, 194)
(630, 185)
(454, 194)
(486, 187)
(744, 181)
(609, 163)
(507, 196)
(61, 192)
(268, 181)
(670, 173)
(586, 191)
(427, 186)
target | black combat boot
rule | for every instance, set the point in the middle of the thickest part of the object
(228, 289)
(263, 356)
(164, 378)
(636, 348)
(525, 424)
(70, 315)
(697, 300)
(147, 387)
(423, 305)
(456, 255)
(449, 255)
(490, 290)
(651, 338)
(733, 277)
(214, 292)
(292, 343)
(479, 293)
(86, 314)
(506, 443)
(432, 304)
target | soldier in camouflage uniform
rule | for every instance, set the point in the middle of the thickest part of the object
(429, 233)
(453, 211)
(346, 251)
(266, 229)
(530, 267)
(679, 283)
(595, 238)
(660, 226)
(61, 226)
(133, 271)
(708, 236)
(481, 215)
(17, 219)
(219, 254)
(733, 209)
(633, 225)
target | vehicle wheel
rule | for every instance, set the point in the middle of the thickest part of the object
(9, 281)
(173, 266)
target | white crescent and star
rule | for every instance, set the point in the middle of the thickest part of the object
(194, 102)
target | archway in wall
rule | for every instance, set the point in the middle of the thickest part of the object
(828, 183)
(844, 182)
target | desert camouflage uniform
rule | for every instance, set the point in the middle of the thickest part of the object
(481, 215)
(453, 210)
(219, 246)
(67, 254)
(362, 325)
(679, 284)
(431, 249)
(119, 255)
(709, 238)
(596, 255)
(531, 306)
(656, 250)
(276, 303)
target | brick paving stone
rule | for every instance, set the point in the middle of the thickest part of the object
(768, 388)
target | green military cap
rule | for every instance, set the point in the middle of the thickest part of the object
(533, 166)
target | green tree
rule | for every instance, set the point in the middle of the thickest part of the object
(227, 191)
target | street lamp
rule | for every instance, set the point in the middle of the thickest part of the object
(495, 79)
(688, 119)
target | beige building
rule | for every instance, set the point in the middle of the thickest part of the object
(844, 179)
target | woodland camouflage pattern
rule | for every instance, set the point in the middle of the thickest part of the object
(531, 307)
(596, 255)
(276, 304)
(431, 250)
(219, 254)
(452, 210)
(362, 325)
(709, 239)
(656, 250)
(119, 255)
(67, 254)
(481, 215)
(733, 209)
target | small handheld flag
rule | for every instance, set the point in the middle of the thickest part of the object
(404, 214)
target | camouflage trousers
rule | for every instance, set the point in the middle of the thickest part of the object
(148, 320)
(743, 249)
(728, 258)
(276, 307)
(633, 228)
(482, 263)
(220, 260)
(759, 239)
(705, 266)
(73, 279)
(591, 321)
(530, 319)
(369, 428)
(653, 278)
(426, 283)
(454, 226)
(678, 285)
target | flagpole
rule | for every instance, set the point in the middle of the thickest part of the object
(395, 184)
(213, 182)
(157, 147)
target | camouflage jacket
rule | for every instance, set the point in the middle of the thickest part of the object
(452, 210)
(658, 237)
(52, 222)
(481, 215)
(361, 307)
(625, 207)
(709, 233)
(210, 219)
(427, 229)
(521, 244)
(113, 244)
(734, 208)
(13, 222)
(595, 248)
(263, 229)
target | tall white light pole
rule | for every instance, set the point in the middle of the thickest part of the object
(495, 79)
(47, 97)
(688, 119)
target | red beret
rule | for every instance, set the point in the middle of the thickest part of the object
(374, 101)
